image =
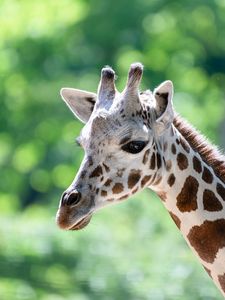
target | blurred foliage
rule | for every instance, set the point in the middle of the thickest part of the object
(47, 44)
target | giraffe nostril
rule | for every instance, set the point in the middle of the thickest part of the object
(64, 198)
(73, 198)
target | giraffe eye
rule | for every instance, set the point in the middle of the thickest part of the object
(134, 146)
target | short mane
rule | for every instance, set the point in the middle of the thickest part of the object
(208, 152)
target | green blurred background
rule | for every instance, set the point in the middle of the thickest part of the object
(132, 250)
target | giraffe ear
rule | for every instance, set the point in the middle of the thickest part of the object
(164, 106)
(81, 103)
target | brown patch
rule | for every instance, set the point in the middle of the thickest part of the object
(162, 195)
(97, 190)
(182, 161)
(103, 193)
(208, 271)
(207, 175)
(119, 172)
(185, 145)
(124, 197)
(168, 165)
(210, 202)
(83, 173)
(153, 178)
(159, 161)
(117, 188)
(108, 182)
(152, 162)
(97, 172)
(106, 168)
(145, 157)
(133, 178)
(173, 149)
(208, 238)
(220, 190)
(197, 164)
(135, 190)
(145, 180)
(177, 141)
(221, 279)
(175, 219)
(165, 146)
(171, 179)
(158, 180)
(208, 153)
(187, 198)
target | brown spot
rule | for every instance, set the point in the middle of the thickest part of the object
(162, 195)
(117, 188)
(159, 161)
(197, 164)
(177, 141)
(187, 198)
(124, 197)
(207, 175)
(145, 157)
(83, 173)
(106, 168)
(157, 181)
(145, 180)
(185, 145)
(221, 191)
(133, 178)
(108, 182)
(208, 238)
(175, 219)
(165, 146)
(168, 165)
(103, 193)
(210, 202)
(97, 172)
(152, 162)
(135, 190)
(208, 271)
(97, 190)
(221, 279)
(119, 172)
(171, 179)
(153, 178)
(182, 161)
(173, 149)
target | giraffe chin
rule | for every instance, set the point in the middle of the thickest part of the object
(82, 223)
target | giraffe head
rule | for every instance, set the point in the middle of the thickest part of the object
(120, 141)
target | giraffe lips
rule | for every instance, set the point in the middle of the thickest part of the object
(82, 223)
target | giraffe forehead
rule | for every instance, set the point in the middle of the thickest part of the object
(113, 130)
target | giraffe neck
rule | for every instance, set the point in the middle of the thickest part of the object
(194, 195)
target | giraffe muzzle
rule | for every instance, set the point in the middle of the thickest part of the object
(75, 211)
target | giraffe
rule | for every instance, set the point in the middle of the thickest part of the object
(134, 140)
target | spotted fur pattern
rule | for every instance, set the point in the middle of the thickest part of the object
(177, 162)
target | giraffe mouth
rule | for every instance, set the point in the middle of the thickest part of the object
(82, 223)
